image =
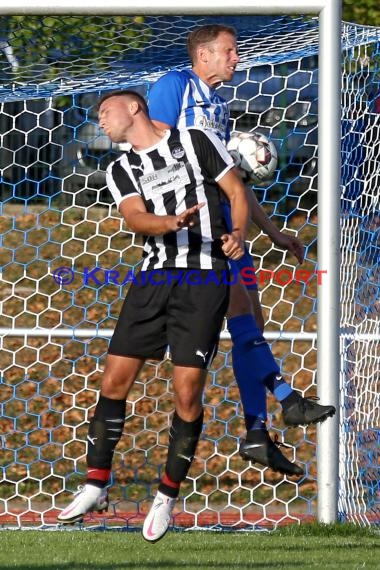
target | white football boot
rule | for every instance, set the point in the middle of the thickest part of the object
(87, 499)
(157, 521)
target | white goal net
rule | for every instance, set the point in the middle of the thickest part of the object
(65, 253)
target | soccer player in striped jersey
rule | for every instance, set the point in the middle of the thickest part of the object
(168, 187)
(188, 98)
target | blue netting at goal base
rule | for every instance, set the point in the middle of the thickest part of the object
(57, 222)
(369, 462)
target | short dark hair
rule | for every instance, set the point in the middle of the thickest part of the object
(126, 92)
(205, 35)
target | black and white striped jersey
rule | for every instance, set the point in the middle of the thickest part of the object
(180, 171)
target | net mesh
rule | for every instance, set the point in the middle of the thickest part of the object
(65, 255)
(360, 499)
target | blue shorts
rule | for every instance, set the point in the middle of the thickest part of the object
(245, 265)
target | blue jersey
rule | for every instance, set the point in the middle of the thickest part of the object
(181, 99)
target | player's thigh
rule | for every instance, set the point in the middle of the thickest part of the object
(243, 283)
(256, 308)
(195, 318)
(140, 331)
(240, 302)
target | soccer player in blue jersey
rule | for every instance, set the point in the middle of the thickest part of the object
(188, 98)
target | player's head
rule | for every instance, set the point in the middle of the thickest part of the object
(213, 52)
(118, 112)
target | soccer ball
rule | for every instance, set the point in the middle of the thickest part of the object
(254, 153)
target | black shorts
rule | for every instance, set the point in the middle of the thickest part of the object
(179, 309)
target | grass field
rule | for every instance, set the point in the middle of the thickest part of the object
(316, 546)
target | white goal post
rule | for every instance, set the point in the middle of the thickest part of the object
(329, 161)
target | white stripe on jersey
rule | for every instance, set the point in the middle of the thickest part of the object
(113, 188)
(199, 117)
(182, 235)
(203, 108)
(158, 199)
(204, 214)
(169, 178)
(182, 123)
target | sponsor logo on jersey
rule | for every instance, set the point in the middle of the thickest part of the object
(204, 123)
(166, 179)
(178, 152)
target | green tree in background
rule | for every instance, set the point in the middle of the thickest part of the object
(53, 47)
(366, 12)
(85, 44)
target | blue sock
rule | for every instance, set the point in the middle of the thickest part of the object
(277, 385)
(261, 363)
(252, 362)
(252, 393)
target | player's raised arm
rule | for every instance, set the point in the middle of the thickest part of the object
(260, 218)
(235, 191)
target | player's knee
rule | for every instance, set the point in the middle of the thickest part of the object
(188, 384)
(116, 386)
(189, 409)
(188, 405)
(119, 375)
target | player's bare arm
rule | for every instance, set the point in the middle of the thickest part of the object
(260, 218)
(233, 188)
(140, 221)
(292, 244)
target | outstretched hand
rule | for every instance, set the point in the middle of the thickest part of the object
(187, 218)
(292, 244)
